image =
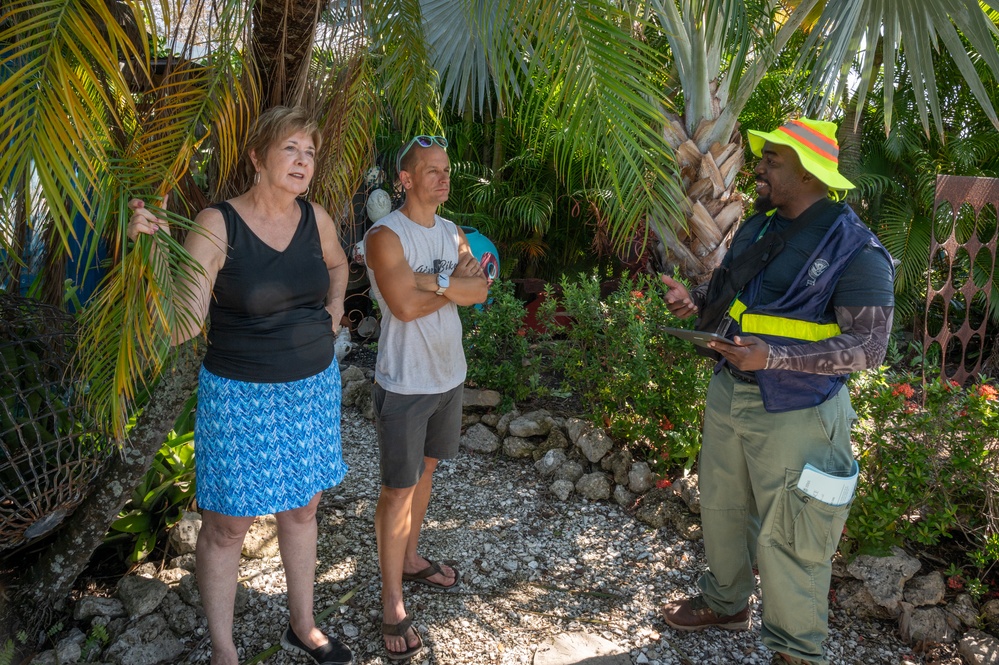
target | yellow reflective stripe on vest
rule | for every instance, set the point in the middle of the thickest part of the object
(764, 324)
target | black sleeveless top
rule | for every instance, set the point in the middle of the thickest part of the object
(268, 321)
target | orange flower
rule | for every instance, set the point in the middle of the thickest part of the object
(665, 424)
(663, 483)
(903, 389)
(637, 294)
(988, 393)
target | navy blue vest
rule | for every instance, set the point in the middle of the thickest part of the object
(808, 300)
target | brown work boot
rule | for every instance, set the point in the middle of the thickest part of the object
(692, 614)
(785, 659)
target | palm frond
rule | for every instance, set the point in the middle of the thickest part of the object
(848, 30)
(459, 37)
(590, 89)
(55, 116)
(409, 83)
(348, 114)
(127, 328)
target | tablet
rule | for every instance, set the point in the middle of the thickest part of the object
(698, 337)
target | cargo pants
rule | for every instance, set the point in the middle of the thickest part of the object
(753, 512)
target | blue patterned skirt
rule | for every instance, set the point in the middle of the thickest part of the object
(262, 448)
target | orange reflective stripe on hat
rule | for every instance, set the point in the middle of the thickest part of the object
(820, 144)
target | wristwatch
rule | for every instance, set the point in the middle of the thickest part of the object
(443, 281)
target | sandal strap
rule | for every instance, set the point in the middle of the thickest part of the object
(433, 569)
(397, 629)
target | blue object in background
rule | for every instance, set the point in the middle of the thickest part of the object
(484, 251)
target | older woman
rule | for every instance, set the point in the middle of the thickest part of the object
(267, 435)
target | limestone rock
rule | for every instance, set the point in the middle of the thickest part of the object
(480, 439)
(356, 391)
(140, 595)
(659, 507)
(366, 404)
(469, 419)
(515, 446)
(556, 440)
(622, 496)
(571, 471)
(184, 535)
(640, 478)
(503, 426)
(580, 648)
(480, 399)
(990, 614)
(594, 486)
(925, 624)
(552, 460)
(964, 611)
(171, 575)
(149, 642)
(185, 561)
(66, 651)
(689, 491)
(89, 607)
(261, 540)
(619, 464)
(181, 617)
(978, 648)
(351, 373)
(925, 589)
(575, 427)
(561, 489)
(535, 423)
(852, 595)
(490, 419)
(187, 589)
(885, 577)
(594, 444)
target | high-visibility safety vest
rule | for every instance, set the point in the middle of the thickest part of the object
(803, 315)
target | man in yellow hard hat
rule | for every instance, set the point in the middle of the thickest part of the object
(803, 298)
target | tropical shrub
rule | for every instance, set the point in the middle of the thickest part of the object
(645, 387)
(929, 459)
(496, 345)
(165, 492)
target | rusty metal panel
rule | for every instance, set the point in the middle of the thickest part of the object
(958, 191)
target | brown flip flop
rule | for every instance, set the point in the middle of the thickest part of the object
(399, 630)
(434, 569)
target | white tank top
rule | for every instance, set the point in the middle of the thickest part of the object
(423, 356)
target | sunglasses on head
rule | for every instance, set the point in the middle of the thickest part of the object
(424, 141)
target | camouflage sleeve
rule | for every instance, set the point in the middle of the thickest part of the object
(862, 344)
(699, 294)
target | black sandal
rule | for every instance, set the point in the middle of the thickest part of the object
(399, 630)
(334, 652)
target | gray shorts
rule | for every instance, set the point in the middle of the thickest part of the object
(411, 427)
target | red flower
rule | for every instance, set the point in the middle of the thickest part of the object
(665, 424)
(988, 393)
(663, 483)
(955, 582)
(903, 389)
(910, 407)
(637, 294)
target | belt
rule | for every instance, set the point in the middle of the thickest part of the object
(739, 375)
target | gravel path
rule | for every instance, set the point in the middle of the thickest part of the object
(534, 568)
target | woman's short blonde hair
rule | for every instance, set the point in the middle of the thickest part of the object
(278, 123)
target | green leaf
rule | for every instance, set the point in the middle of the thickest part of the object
(133, 522)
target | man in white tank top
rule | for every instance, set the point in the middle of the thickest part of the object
(421, 269)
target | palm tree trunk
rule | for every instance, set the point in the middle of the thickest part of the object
(283, 33)
(10, 265)
(712, 207)
(45, 586)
